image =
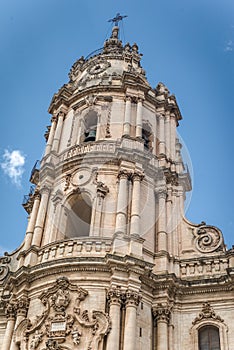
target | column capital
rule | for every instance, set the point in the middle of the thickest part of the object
(124, 174)
(162, 312)
(53, 119)
(128, 98)
(45, 189)
(10, 309)
(140, 100)
(115, 295)
(137, 176)
(22, 306)
(132, 298)
(161, 192)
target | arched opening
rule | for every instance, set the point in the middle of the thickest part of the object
(208, 338)
(147, 137)
(90, 126)
(78, 214)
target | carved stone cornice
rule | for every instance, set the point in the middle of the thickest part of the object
(162, 313)
(132, 298)
(207, 313)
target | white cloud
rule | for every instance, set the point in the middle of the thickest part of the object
(229, 46)
(13, 165)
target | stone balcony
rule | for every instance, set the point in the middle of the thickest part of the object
(80, 247)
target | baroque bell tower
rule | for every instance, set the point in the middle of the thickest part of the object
(108, 260)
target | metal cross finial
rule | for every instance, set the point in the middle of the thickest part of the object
(117, 19)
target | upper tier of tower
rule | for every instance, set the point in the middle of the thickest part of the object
(115, 67)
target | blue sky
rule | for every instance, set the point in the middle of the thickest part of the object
(188, 45)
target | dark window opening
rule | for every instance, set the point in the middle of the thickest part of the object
(90, 127)
(209, 338)
(78, 216)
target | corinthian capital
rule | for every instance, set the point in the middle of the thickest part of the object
(10, 309)
(132, 298)
(162, 313)
(22, 306)
(137, 176)
(115, 295)
(124, 174)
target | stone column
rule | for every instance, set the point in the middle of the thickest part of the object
(161, 134)
(122, 203)
(21, 312)
(51, 135)
(162, 234)
(132, 301)
(139, 118)
(168, 135)
(39, 225)
(58, 132)
(10, 312)
(169, 221)
(115, 298)
(32, 221)
(102, 191)
(127, 116)
(136, 200)
(162, 316)
(173, 136)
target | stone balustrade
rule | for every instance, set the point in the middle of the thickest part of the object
(213, 266)
(74, 248)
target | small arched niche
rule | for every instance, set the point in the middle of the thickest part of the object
(78, 213)
(90, 126)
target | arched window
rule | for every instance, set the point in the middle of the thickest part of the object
(208, 338)
(90, 126)
(78, 214)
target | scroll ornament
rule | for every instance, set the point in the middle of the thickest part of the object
(208, 239)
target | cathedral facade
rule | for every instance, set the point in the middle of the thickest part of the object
(109, 262)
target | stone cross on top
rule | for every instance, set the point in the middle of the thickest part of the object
(117, 19)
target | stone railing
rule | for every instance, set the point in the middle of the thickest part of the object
(75, 248)
(110, 147)
(208, 267)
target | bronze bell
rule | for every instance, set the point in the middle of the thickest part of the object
(90, 136)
